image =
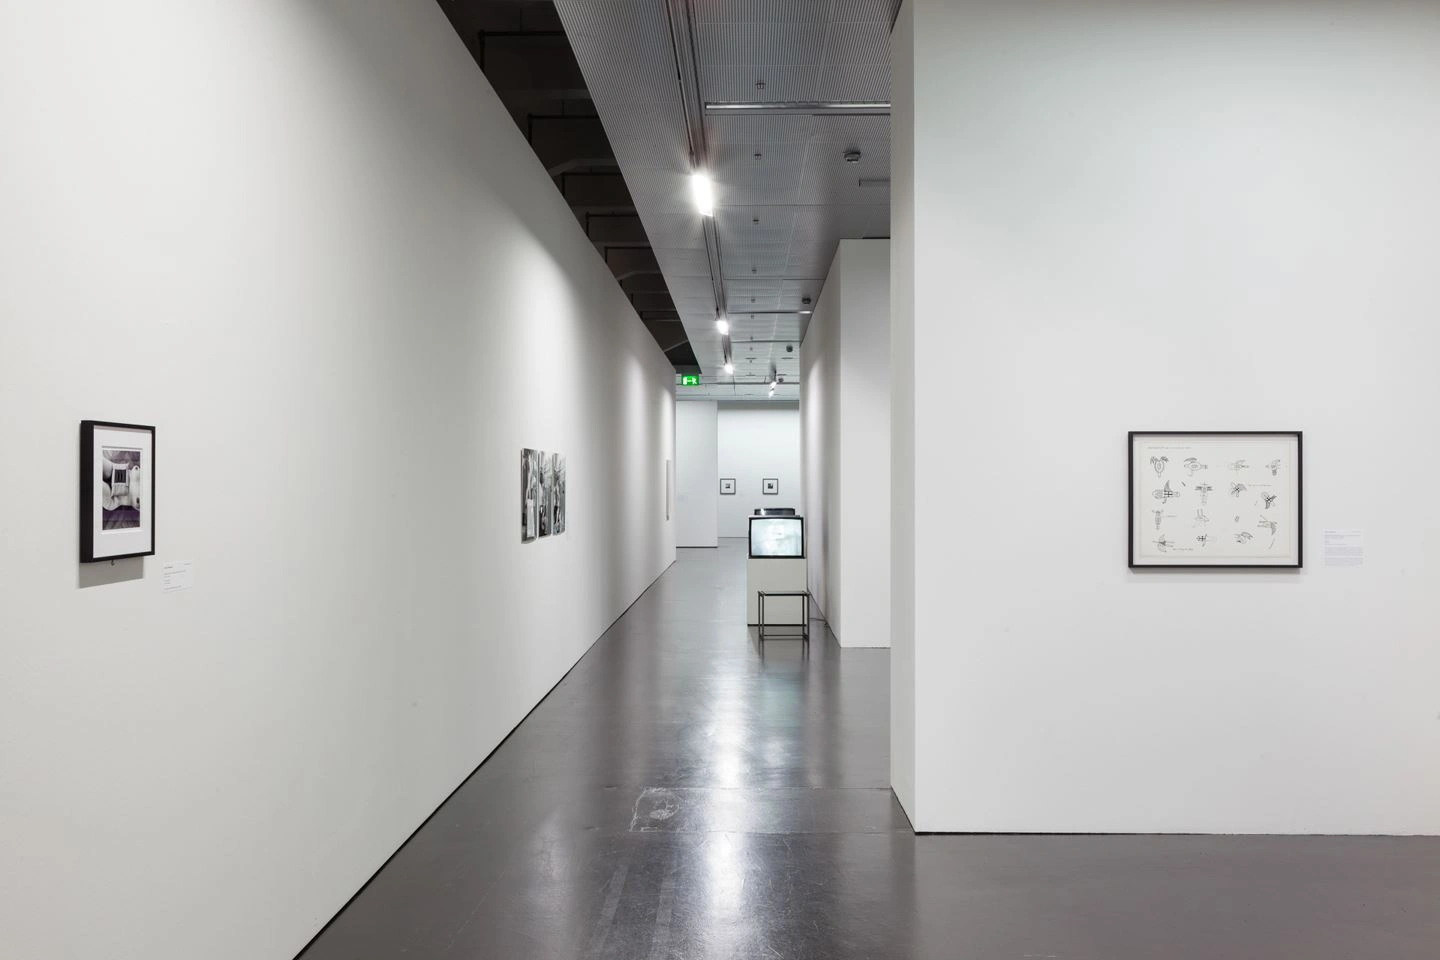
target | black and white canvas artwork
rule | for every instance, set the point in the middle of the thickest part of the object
(117, 490)
(770, 486)
(557, 493)
(547, 491)
(531, 473)
(727, 486)
(1211, 499)
(542, 494)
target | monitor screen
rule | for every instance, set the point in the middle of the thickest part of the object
(777, 536)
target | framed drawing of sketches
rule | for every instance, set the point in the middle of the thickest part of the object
(1215, 499)
(117, 491)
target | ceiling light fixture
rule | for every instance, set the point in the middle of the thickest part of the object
(722, 325)
(814, 108)
(704, 192)
(730, 369)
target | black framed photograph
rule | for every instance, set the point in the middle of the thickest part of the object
(770, 487)
(1207, 498)
(727, 486)
(117, 490)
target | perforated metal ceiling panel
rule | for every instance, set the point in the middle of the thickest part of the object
(785, 192)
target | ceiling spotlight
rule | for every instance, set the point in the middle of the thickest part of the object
(852, 156)
(730, 369)
(722, 325)
(704, 193)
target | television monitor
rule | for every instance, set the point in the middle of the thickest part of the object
(777, 536)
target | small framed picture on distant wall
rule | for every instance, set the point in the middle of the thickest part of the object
(770, 486)
(727, 486)
(117, 491)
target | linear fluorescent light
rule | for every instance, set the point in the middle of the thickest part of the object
(704, 193)
(813, 108)
(722, 325)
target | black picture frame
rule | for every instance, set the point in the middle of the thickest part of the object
(1299, 438)
(770, 487)
(87, 489)
(727, 486)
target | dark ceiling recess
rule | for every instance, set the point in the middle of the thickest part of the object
(522, 49)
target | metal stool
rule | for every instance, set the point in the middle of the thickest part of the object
(804, 624)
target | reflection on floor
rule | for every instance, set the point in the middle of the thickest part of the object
(685, 795)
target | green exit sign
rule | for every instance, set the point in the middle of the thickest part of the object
(689, 380)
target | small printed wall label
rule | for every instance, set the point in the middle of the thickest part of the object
(1344, 548)
(177, 575)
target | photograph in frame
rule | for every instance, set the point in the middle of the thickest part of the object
(117, 490)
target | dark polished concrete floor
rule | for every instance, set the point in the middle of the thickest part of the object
(683, 795)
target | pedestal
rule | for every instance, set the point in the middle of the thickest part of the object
(774, 573)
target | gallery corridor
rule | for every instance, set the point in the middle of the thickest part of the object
(677, 787)
(684, 794)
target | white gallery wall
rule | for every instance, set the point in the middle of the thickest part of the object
(1164, 215)
(697, 472)
(819, 440)
(308, 244)
(845, 428)
(903, 691)
(757, 440)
